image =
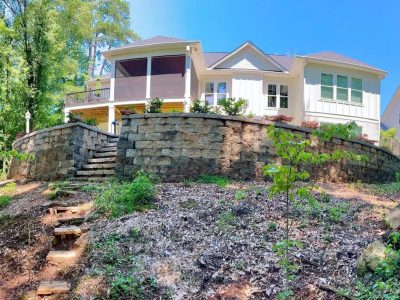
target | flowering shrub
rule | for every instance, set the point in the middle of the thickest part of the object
(310, 124)
(279, 118)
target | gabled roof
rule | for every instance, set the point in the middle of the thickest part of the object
(212, 57)
(336, 57)
(259, 51)
(153, 41)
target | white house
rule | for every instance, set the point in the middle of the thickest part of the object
(391, 115)
(324, 87)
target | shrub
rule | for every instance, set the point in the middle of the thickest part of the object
(279, 118)
(154, 105)
(345, 131)
(78, 117)
(388, 139)
(364, 138)
(124, 198)
(5, 200)
(199, 107)
(214, 179)
(233, 107)
(310, 124)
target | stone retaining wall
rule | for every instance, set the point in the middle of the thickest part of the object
(59, 151)
(181, 146)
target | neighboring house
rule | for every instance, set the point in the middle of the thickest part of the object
(324, 87)
(391, 115)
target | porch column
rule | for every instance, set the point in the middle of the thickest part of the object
(111, 117)
(66, 115)
(148, 77)
(112, 80)
(188, 66)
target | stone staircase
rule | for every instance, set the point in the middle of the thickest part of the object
(101, 165)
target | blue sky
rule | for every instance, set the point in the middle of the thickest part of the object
(366, 30)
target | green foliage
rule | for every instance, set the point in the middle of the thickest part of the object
(9, 188)
(233, 107)
(384, 282)
(7, 156)
(296, 154)
(214, 179)
(5, 200)
(154, 105)
(348, 131)
(124, 198)
(199, 107)
(226, 220)
(388, 139)
(240, 195)
(390, 190)
(272, 227)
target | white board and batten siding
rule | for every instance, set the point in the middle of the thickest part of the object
(366, 115)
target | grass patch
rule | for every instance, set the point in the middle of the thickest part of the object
(118, 199)
(240, 195)
(5, 200)
(9, 188)
(188, 204)
(226, 220)
(391, 189)
(214, 179)
(90, 188)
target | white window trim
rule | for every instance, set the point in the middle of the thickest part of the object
(278, 95)
(335, 87)
(215, 93)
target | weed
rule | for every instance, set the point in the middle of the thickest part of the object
(5, 200)
(226, 220)
(214, 179)
(272, 227)
(9, 188)
(124, 198)
(324, 197)
(126, 287)
(136, 233)
(188, 204)
(240, 195)
(90, 188)
(187, 182)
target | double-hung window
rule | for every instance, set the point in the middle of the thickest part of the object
(278, 96)
(213, 95)
(326, 86)
(342, 91)
(356, 90)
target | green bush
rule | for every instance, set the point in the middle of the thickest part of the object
(348, 131)
(5, 200)
(199, 107)
(124, 198)
(232, 106)
(214, 179)
(154, 105)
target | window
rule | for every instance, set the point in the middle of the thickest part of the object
(209, 93)
(356, 90)
(283, 96)
(221, 91)
(212, 95)
(271, 95)
(342, 92)
(326, 86)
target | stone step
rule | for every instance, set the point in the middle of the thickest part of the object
(91, 179)
(53, 287)
(56, 209)
(67, 230)
(105, 154)
(101, 160)
(57, 256)
(111, 145)
(114, 140)
(107, 149)
(99, 166)
(95, 172)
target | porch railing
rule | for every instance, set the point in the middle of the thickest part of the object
(88, 97)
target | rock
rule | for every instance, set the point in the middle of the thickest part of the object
(371, 257)
(393, 218)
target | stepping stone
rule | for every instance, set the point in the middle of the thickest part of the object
(67, 230)
(53, 287)
(108, 149)
(105, 154)
(61, 256)
(111, 145)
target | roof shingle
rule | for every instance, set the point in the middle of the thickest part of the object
(333, 56)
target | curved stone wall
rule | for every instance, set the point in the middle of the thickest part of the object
(180, 146)
(59, 151)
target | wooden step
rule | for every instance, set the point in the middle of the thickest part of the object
(95, 172)
(101, 160)
(56, 209)
(67, 230)
(99, 166)
(71, 220)
(105, 154)
(53, 287)
(107, 149)
(61, 256)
